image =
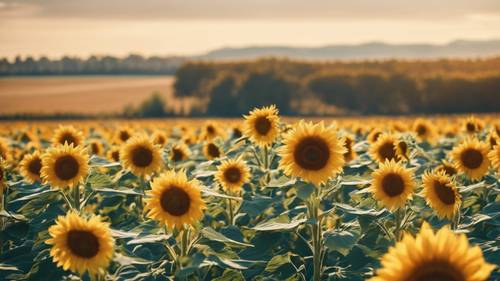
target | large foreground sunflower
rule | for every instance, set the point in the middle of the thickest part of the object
(30, 167)
(441, 193)
(494, 156)
(262, 125)
(175, 201)
(385, 148)
(392, 184)
(64, 165)
(471, 158)
(67, 134)
(232, 174)
(312, 152)
(81, 244)
(140, 156)
(430, 256)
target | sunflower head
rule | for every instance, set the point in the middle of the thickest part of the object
(123, 135)
(374, 134)
(448, 168)
(472, 125)
(494, 156)
(96, 147)
(210, 131)
(402, 150)
(232, 174)
(114, 154)
(4, 149)
(30, 166)
(160, 138)
(179, 152)
(212, 151)
(236, 132)
(441, 193)
(493, 138)
(312, 152)
(140, 156)
(64, 165)
(174, 200)
(350, 154)
(392, 184)
(81, 245)
(69, 135)
(385, 148)
(424, 130)
(433, 256)
(262, 125)
(471, 158)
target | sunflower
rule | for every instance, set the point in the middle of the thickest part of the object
(312, 152)
(236, 132)
(424, 129)
(210, 131)
(4, 149)
(471, 158)
(64, 165)
(212, 151)
(160, 138)
(373, 135)
(493, 138)
(30, 167)
(96, 147)
(472, 125)
(114, 154)
(448, 168)
(175, 201)
(232, 174)
(494, 156)
(262, 125)
(441, 256)
(441, 193)
(123, 135)
(392, 184)
(179, 152)
(350, 154)
(384, 148)
(81, 245)
(140, 156)
(402, 150)
(67, 134)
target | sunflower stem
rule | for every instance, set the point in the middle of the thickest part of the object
(316, 234)
(76, 197)
(266, 158)
(397, 231)
(230, 211)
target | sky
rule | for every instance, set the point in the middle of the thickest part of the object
(187, 27)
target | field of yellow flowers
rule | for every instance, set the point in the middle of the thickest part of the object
(261, 198)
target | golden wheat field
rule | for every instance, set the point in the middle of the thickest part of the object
(257, 198)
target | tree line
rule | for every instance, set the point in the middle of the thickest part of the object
(94, 65)
(364, 87)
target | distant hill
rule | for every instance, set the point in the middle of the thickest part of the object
(373, 50)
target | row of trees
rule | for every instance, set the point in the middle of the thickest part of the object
(391, 87)
(132, 64)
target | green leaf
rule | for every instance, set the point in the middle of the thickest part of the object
(8, 267)
(282, 182)
(230, 275)
(256, 205)
(277, 261)
(34, 195)
(210, 234)
(209, 192)
(118, 191)
(149, 239)
(127, 260)
(19, 217)
(123, 234)
(99, 180)
(304, 190)
(340, 241)
(356, 211)
(274, 225)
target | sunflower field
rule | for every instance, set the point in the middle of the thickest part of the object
(261, 198)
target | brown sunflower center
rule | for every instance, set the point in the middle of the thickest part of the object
(421, 130)
(436, 271)
(83, 243)
(376, 136)
(393, 184)
(312, 153)
(449, 170)
(262, 125)
(175, 201)
(348, 146)
(177, 155)
(213, 150)
(66, 167)
(160, 140)
(237, 133)
(124, 135)
(471, 158)
(444, 193)
(142, 156)
(471, 128)
(210, 130)
(386, 151)
(35, 166)
(68, 138)
(403, 147)
(493, 141)
(232, 175)
(115, 155)
(95, 148)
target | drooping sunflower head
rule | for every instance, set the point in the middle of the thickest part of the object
(374, 134)
(64, 166)
(312, 152)
(140, 156)
(472, 125)
(160, 138)
(441, 193)
(236, 132)
(232, 174)
(123, 135)
(179, 152)
(448, 168)
(392, 184)
(174, 200)
(114, 154)
(402, 150)
(424, 130)
(350, 154)
(210, 131)
(493, 138)
(69, 135)
(441, 256)
(212, 151)
(4, 149)
(385, 148)
(471, 158)
(494, 156)
(262, 125)
(81, 245)
(30, 167)
(96, 147)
